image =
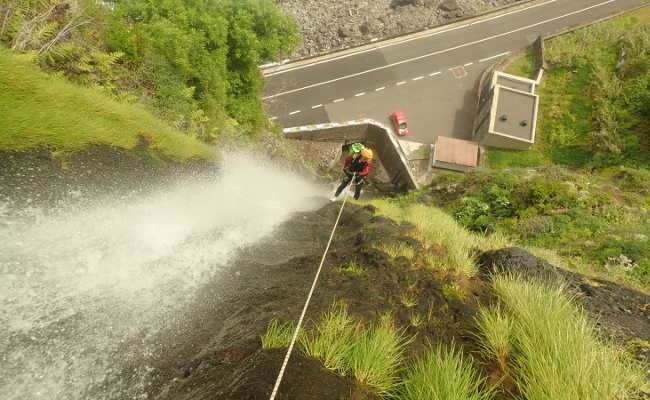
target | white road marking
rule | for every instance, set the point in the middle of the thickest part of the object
(294, 112)
(273, 118)
(439, 51)
(401, 83)
(380, 88)
(338, 100)
(415, 38)
(435, 73)
(359, 94)
(468, 64)
(493, 57)
(316, 106)
(418, 78)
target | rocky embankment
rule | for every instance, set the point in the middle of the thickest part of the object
(333, 24)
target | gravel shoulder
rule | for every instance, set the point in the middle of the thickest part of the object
(335, 24)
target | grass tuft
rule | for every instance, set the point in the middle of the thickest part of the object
(376, 358)
(399, 250)
(353, 268)
(495, 335)
(556, 351)
(408, 300)
(277, 334)
(332, 339)
(454, 292)
(444, 374)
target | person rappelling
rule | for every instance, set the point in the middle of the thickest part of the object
(357, 166)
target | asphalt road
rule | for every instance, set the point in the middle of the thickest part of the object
(431, 76)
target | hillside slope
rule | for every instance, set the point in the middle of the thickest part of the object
(42, 110)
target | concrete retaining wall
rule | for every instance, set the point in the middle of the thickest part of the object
(369, 131)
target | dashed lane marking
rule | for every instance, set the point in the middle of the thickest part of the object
(468, 64)
(338, 100)
(435, 73)
(273, 118)
(359, 94)
(294, 112)
(418, 78)
(413, 38)
(447, 50)
(401, 83)
(380, 88)
(493, 57)
(316, 106)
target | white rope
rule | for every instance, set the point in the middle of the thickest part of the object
(311, 292)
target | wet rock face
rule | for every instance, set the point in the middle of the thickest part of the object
(334, 24)
(518, 261)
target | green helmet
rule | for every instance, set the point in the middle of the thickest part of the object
(356, 148)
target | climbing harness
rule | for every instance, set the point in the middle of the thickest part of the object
(304, 309)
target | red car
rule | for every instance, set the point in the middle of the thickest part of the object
(399, 123)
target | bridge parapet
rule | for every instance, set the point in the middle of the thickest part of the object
(368, 131)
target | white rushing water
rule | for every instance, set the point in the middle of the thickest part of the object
(78, 288)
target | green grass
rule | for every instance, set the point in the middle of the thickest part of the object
(353, 268)
(444, 374)
(495, 335)
(398, 250)
(408, 300)
(377, 356)
(415, 319)
(434, 226)
(524, 66)
(277, 334)
(556, 350)
(454, 292)
(42, 110)
(332, 339)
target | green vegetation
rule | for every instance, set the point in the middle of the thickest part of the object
(408, 300)
(597, 220)
(193, 63)
(436, 228)
(495, 336)
(372, 355)
(332, 339)
(444, 374)
(454, 292)
(555, 351)
(523, 66)
(376, 357)
(399, 250)
(353, 268)
(594, 101)
(44, 110)
(277, 334)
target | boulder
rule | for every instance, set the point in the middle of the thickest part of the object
(346, 32)
(518, 261)
(448, 5)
